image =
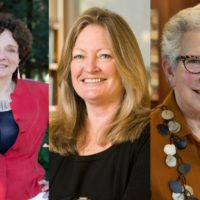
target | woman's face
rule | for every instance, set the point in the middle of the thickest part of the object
(93, 68)
(187, 85)
(9, 56)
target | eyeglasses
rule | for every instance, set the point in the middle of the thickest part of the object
(191, 63)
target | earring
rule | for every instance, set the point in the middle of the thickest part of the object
(18, 74)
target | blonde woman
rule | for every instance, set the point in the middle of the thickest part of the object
(99, 134)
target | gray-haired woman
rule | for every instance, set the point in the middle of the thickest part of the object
(175, 124)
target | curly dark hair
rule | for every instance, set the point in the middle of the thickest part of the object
(20, 33)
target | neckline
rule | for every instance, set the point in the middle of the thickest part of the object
(170, 101)
(9, 87)
(5, 104)
(6, 111)
(95, 156)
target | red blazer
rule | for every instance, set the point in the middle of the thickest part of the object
(19, 167)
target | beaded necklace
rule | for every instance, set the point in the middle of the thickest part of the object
(5, 103)
(180, 190)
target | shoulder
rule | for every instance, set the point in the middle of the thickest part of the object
(33, 86)
(55, 157)
(144, 137)
(56, 161)
(169, 102)
(144, 140)
(32, 83)
(140, 144)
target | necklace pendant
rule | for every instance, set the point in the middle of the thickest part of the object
(174, 126)
(171, 161)
(184, 168)
(163, 129)
(178, 196)
(167, 114)
(170, 149)
(175, 186)
(5, 105)
(181, 143)
(189, 190)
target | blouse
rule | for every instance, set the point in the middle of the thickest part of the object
(8, 131)
(120, 172)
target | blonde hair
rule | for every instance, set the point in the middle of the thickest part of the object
(132, 116)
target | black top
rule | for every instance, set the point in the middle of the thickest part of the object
(8, 131)
(122, 172)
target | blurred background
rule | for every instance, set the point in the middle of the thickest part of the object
(35, 14)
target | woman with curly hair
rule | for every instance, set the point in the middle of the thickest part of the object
(23, 115)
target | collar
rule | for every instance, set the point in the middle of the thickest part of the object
(20, 101)
(172, 105)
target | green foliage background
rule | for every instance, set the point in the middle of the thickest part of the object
(35, 14)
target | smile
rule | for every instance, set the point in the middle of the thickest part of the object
(3, 66)
(93, 80)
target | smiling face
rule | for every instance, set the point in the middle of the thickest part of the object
(93, 68)
(9, 56)
(186, 85)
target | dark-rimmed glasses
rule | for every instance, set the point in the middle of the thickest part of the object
(191, 63)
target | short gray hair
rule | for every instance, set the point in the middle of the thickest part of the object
(185, 20)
